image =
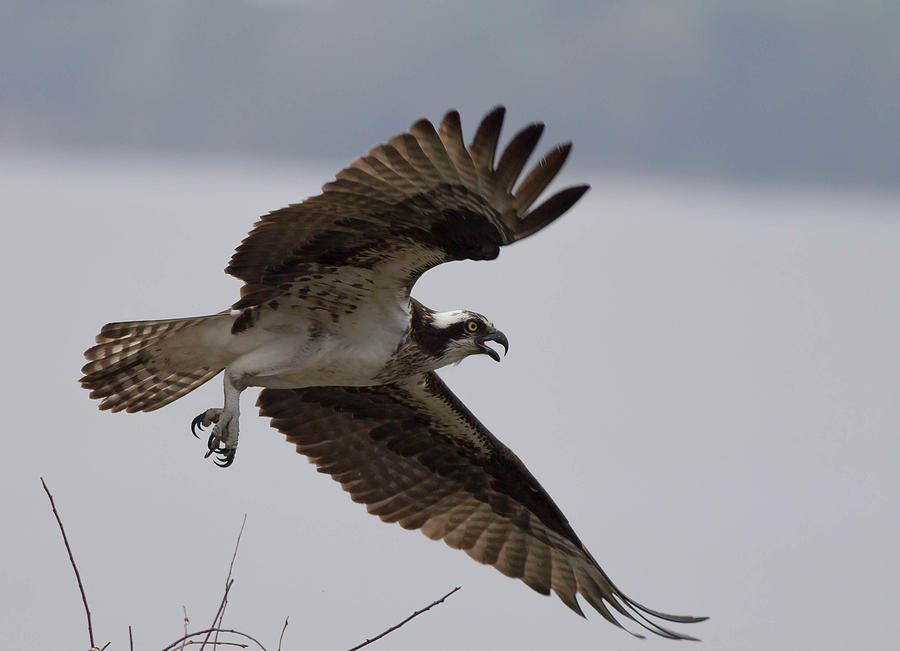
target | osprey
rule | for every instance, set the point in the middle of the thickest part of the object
(347, 358)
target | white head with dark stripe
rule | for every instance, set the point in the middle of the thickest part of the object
(450, 337)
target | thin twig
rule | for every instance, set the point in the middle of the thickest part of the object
(283, 629)
(214, 630)
(103, 648)
(186, 620)
(72, 560)
(130, 639)
(396, 626)
(236, 544)
(220, 613)
(237, 644)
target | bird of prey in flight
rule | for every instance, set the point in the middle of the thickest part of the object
(346, 357)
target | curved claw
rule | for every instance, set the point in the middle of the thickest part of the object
(197, 424)
(225, 458)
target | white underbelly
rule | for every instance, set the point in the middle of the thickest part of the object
(303, 354)
(335, 364)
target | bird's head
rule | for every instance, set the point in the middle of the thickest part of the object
(450, 337)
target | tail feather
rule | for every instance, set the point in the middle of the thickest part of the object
(144, 330)
(129, 368)
(172, 388)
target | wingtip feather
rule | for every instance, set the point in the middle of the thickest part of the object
(549, 210)
(484, 143)
(515, 156)
(540, 176)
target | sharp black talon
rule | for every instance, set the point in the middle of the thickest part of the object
(210, 443)
(225, 458)
(197, 424)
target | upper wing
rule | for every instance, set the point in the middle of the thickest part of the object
(420, 199)
(415, 455)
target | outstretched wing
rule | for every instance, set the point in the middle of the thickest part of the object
(415, 455)
(420, 199)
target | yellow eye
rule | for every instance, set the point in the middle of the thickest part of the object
(472, 326)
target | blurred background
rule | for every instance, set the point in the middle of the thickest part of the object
(704, 366)
(804, 91)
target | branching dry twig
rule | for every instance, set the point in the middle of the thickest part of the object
(214, 630)
(220, 613)
(414, 615)
(74, 566)
(217, 621)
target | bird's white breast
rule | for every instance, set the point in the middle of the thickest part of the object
(286, 349)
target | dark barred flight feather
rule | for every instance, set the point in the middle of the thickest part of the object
(415, 202)
(413, 454)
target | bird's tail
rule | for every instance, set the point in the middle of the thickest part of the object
(144, 365)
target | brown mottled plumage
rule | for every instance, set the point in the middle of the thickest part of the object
(413, 454)
(326, 323)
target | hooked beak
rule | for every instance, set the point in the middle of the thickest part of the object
(493, 335)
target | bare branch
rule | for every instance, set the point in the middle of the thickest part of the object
(217, 621)
(130, 639)
(236, 544)
(396, 626)
(214, 630)
(283, 629)
(71, 560)
(186, 620)
(219, 613)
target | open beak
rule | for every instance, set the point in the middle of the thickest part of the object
(493, 335)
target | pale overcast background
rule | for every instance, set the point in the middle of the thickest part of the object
(704, 365)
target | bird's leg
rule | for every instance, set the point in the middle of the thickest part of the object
(224, 438)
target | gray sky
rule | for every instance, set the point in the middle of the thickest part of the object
(804, 91)
(704, 377)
